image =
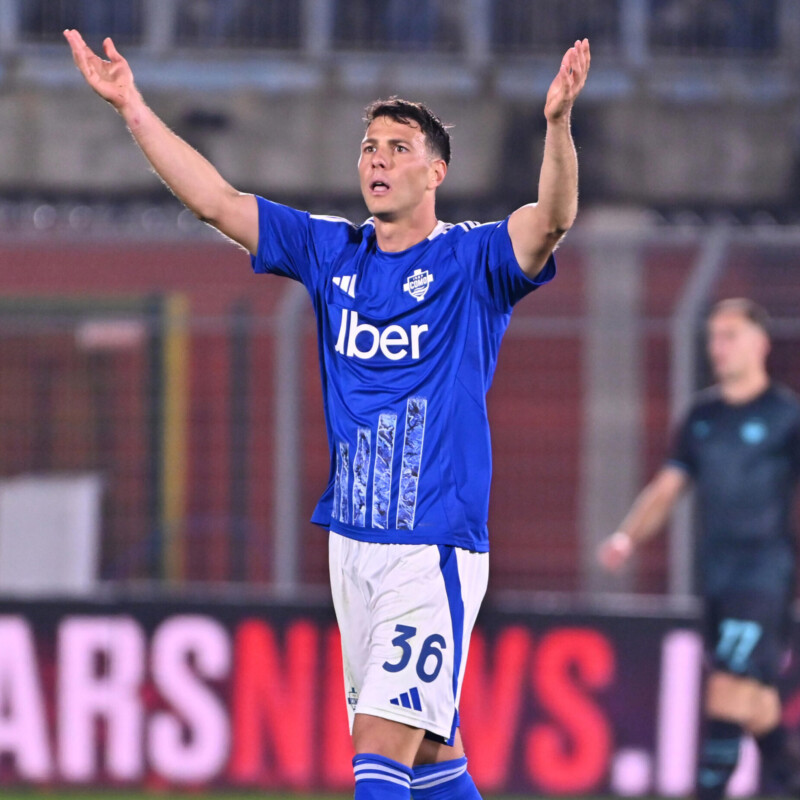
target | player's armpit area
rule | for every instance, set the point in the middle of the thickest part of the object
(237, 218)
(532, 240)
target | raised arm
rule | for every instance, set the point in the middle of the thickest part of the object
(192, 178)
(536, 228)
(647, 516)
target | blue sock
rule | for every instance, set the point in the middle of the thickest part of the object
(719, 754)
(447, 780)
(380, 778)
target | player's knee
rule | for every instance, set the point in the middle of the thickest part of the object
(731, 698)
(766, 711)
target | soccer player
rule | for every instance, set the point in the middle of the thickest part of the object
(740, 445)
(410, 313)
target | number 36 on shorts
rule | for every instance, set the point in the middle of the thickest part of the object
(426, 657)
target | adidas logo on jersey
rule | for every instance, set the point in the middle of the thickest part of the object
(393, 341)
(409, 699)
(347, 283)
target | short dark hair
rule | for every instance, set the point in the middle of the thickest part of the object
(749, 309)
(406, 111)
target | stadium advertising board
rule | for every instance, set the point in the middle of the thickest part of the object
(189, 695)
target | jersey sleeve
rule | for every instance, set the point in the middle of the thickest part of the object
(682, 453)
(488, 252)
(284, 246)
(297, 244)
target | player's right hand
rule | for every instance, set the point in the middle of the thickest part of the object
(615, 551)
(569, 81)
(112, 79)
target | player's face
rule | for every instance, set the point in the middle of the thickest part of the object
(737, 348)
(396, 170)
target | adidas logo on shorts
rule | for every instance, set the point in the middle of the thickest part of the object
(409, 699)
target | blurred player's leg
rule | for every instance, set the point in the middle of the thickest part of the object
(719, 754)
(737, 705)
(746, 642)
(780, 752)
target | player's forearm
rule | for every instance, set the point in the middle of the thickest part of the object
(647, 516)
(558, 179)
(193, 179)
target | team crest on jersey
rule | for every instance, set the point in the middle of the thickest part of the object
(754, 431)
(417, 283)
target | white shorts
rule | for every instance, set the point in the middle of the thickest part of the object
(405, 614)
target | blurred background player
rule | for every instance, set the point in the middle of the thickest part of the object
(410, 313)
(740, 446)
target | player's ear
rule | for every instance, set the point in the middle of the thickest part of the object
(437, 172)
(763, 344)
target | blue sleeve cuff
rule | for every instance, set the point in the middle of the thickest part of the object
(673, 462)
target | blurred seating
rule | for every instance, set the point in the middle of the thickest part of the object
(707, 26)
(44, 20)
(524, 28)
(683, 28)
(238, 23)
(429, 25)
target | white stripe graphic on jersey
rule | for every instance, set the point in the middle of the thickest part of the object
(360, 476)
(416, 409)
(382, 477)
(330, 218)
(344, 480)
(337, 486)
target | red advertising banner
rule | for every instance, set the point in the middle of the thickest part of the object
(195, 695)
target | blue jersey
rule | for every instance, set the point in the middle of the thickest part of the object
(408, 343)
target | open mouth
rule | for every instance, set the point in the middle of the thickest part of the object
(379, 187)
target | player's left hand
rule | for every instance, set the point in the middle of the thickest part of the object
(567, 85)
